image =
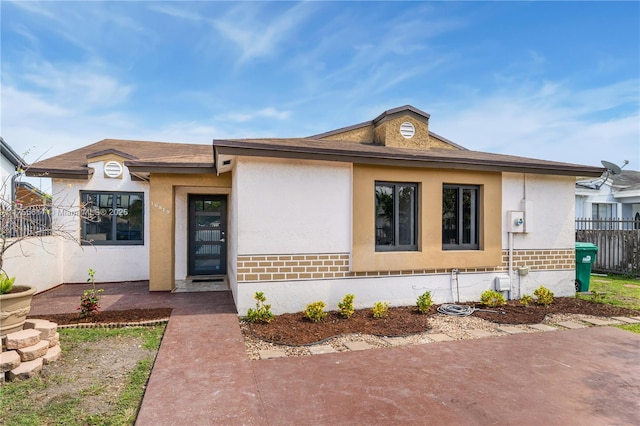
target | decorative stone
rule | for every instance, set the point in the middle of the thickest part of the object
(480, 333)
(8, 361)
(509, 329)
(47, 329)
(26, 370)
(52, 355)
(21, 339)
(438, 337)
(271, 353)
(321, 349)
(571, 325)
(596, 321)
(32, 352)
(34, 322)
(542, 327)
(55, 340)
(398, 341)
(358, 346)
(626, 320)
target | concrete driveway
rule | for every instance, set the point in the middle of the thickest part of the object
(202, 375)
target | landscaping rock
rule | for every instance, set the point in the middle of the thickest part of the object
(358, 346)
(272, 353)
(542, 327)
(21, 339)
(52, 355)
(8, 361)
(35, 351)
(55, 340)
(438, 337)
(321, 349)
(26, 370)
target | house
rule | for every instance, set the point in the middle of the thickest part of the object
(10, 162)
(384, 209)
(615, 197)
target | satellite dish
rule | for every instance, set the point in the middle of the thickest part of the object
(613, 168)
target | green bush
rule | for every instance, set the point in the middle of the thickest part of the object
(262, 312)
(346, 306)
(525, 300)
(544, 296)
(492, 298)
(424, 302)
(380, 309)
(6, 283)
(315, 311)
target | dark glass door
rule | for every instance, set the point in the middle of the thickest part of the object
(207, 235)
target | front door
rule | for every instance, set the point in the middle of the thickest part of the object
(207, 235)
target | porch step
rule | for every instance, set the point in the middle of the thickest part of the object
(32, 352)
(21, 339)
(55, 340)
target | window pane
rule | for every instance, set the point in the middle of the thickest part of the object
(384, 215)
(468, 216)
(407, 215)
(449, 216)
(128, 217)
(98, 207)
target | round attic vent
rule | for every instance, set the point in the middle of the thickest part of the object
(113, 169)
(407, 130)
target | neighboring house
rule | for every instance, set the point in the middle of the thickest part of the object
(384, 209)
(616, 198)
(10, 163)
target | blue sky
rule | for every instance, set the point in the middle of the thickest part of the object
(550, 80)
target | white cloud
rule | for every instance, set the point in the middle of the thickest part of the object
(551, 122)
(241, 117)
(255, 34)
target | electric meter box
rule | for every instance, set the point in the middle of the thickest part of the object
(515, 221)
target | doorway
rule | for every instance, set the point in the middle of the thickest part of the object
(207, 235)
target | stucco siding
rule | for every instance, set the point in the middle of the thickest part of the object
(288, 206)
(111, 262)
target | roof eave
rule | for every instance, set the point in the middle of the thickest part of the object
(223, 147)
(59, 173)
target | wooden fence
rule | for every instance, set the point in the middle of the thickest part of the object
(618, 242)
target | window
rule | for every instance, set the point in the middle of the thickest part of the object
(396, 216)
(114, 218)
(460, 217)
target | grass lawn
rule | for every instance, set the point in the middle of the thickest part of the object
(99, 380)
(618, 291)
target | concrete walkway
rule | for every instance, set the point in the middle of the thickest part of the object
(202, 375)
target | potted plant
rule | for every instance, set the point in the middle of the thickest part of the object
(15, 304)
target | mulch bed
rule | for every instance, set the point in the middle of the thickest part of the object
(108, 317)
(294, 329)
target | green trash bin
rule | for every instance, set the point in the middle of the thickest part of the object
(585, 257)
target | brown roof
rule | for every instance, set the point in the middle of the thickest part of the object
(332, 150)
(73, 164)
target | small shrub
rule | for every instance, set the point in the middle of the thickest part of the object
(262, 312)
(597, 297)
(424, 302)
(346, 306)
(525, 300)
(380, 309)
(315, 311)
(492, 298)
(544, 296)
(6, 283)
(90, 299)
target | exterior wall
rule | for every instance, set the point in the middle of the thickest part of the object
(168, 216)
(549, 242)
(36, 262)
(362, 134)
(430, 254)
(292, 206)
(388, 133)
(292, 279)
(111, 263)
(7, 169)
